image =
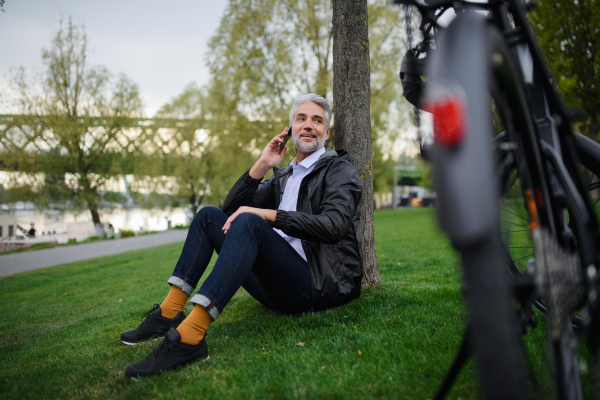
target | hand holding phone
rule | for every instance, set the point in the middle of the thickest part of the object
(285, 139)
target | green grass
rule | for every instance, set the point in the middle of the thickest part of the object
(60, 327)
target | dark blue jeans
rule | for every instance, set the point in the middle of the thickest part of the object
(251, 255)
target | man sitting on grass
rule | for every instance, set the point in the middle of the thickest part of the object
(291, 241)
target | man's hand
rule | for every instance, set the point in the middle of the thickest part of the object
(270, 157)
(267, 215)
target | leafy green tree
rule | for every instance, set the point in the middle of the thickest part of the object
(568, 33)
(69, 140)
(265, 53)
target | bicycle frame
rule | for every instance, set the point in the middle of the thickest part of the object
(551, 126)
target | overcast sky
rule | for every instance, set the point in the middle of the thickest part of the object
(160, 45)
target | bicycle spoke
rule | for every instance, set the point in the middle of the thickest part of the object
(529, 255)
(517, 192)
(514, 213)
(593, 186)
(515, 210)
(508, 222)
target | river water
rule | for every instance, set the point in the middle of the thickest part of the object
(62, 226)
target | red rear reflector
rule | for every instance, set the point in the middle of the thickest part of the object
(449, 120)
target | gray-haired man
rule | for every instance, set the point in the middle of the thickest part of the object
(292, 241)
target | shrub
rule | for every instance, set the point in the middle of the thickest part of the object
(127, 233)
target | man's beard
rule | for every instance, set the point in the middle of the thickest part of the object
(318, 144)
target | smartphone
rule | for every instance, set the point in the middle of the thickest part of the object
(285, 139)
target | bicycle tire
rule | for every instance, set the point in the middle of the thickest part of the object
(547, 247)
(495, 338)
(520, 250)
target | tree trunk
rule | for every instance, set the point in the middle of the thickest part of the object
(90, 199)
(192, 200)
(352, 102)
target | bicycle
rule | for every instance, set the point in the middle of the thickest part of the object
(504, 152)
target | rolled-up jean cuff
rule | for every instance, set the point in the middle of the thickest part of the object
(181, 284)
(207, 303)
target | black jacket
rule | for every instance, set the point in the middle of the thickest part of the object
(326, 221)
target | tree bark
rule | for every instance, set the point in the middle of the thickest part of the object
(90, 199)
(352, 108)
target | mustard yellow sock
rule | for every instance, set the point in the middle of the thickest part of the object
(174, 303)
(194, 327)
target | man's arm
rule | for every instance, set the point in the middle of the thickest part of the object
(340, 200)
(243, 190)
(269, 157)
(267, 215)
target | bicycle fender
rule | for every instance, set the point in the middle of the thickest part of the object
(464, 174)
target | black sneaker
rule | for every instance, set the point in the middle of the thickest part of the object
(170, 354)
(154, 326)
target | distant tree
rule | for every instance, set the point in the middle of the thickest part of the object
(2, 5)
(568, 33)
(175, 161)
(352, 98)
(69, 141)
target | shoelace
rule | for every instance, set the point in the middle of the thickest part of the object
(164, 347)
(149, 312)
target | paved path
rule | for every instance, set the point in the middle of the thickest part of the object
(26, 261)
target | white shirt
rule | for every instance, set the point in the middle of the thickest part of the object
(289, 200)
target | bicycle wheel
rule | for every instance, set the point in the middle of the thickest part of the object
(520, 259)
(495, 338)
(533, 218)
(494, 101)
(515, 220)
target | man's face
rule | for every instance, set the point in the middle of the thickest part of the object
(309, 128)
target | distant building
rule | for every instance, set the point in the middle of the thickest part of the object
(8, 227)
(407, 191)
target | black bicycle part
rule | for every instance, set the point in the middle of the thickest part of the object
(549, 171)
(467, 173)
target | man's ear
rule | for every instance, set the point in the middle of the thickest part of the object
(327, 134)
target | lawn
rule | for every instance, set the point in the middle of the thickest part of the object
(60, 327)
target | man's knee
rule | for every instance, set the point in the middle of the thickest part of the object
(246, 221)
(207, 213)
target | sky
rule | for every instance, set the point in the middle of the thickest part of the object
(160, 45)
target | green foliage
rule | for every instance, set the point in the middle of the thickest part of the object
(125, 233)
(383, 171)
(266, 53)
(426, 171)
(568, 33)
(68, 142)
(181, 227)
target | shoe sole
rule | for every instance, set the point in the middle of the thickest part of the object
(183, 365)
(147, 340)
(141, 341)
